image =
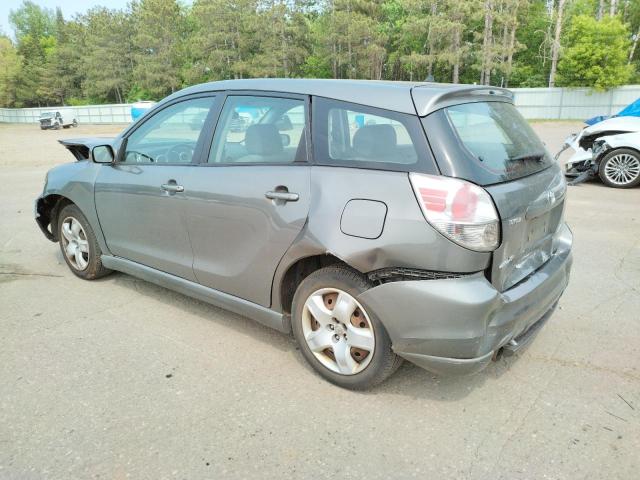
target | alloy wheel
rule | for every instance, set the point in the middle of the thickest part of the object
(338, 331)
(622, 169)
(75, 243)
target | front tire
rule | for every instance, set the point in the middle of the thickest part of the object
(620, 168)
(79, 245)
(339, 337)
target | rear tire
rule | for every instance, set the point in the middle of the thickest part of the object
(79, 245)
(620, 168)
(340, 338)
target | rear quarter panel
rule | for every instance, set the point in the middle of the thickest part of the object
(407, 240)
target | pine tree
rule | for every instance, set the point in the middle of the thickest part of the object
(158, 42)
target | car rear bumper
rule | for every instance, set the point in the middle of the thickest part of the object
(455, 326)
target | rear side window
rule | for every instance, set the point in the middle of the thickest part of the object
(352, 135)
(254, 129)
(498, 138)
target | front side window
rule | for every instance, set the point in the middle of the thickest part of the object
(358, 136)
(255, 129)
(171, 135)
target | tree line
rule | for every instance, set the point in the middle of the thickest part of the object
(154, 47)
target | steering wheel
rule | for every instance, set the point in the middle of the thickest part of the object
(133, 156)
(180, 153)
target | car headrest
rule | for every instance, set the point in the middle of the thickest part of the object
(375, 141)
(263, 139)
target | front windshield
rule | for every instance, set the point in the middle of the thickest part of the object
(499, 138)
(46, 115)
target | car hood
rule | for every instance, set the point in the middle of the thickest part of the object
(622, 124)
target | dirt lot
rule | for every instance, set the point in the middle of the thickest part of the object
(122, 379)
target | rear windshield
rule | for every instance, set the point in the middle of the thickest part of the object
(499, 139)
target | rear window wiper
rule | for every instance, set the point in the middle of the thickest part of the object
(536, 157)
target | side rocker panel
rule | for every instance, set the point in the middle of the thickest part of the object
(237, 305)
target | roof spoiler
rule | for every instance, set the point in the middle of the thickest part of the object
(426, 102)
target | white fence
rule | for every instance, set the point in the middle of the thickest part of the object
(573, 103)
(533, 103)
(119, 113)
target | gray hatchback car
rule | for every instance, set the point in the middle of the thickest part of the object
(376, 221)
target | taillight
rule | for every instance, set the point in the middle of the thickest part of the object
(460, 210)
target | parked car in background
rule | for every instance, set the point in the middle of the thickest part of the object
(376, 221)
(608, 150)
(57, 119)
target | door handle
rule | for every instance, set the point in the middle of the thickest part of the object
(283, 196)
(172, 187)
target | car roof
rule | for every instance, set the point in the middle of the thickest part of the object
(405, 97)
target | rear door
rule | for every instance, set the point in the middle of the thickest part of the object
(490, 144)
(249, 198)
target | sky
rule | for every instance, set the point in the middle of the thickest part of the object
(69, 8)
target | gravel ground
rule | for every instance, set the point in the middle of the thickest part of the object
(121, 379)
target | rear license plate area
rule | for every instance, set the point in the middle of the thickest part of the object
(538, 228)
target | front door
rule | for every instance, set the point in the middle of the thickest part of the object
(249, 199)
(140, 199)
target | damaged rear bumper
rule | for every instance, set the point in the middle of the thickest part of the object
(455, 326)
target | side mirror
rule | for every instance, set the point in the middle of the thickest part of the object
(103, 154)
(285, 139)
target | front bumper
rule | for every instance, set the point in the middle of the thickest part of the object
(574, 169)
(455, 326)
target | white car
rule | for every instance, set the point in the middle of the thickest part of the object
(57, 119)
(609, 149)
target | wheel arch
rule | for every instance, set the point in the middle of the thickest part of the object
(47, 209)
(74, 182)
(50, 204)
(615, 149)
(296, 272)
